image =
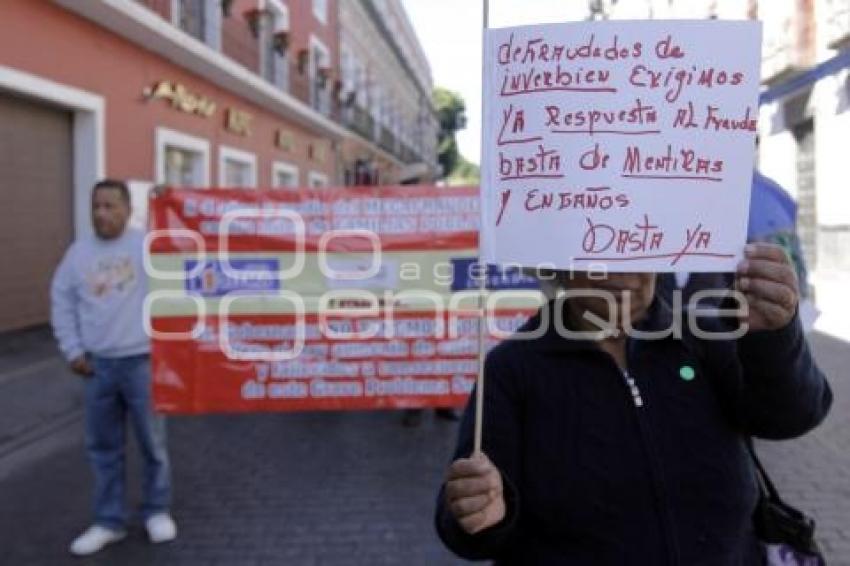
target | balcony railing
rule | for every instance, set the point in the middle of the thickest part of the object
(838, 23)
(407, 154)
(388, 141)
(320, 98)
(360, 121)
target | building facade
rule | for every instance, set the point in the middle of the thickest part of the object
(210, 93)
(386, 92)
(804, 122)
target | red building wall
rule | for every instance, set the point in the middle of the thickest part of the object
(806, 35)
(303, 23)
(161, 7)
(237, 41)
(96, 60)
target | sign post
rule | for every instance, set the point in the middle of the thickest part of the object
(479, 383)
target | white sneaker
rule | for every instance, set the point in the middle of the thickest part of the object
(161, 528)
(94, 539)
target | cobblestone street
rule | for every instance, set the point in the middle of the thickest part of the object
(320, 488)
(307, 488)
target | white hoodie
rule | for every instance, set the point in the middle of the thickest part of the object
(97, 297)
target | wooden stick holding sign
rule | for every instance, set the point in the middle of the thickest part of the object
(482, 320)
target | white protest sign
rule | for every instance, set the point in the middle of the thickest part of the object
(627, 145)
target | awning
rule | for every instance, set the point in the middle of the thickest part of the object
(807, 78)
(415, 171)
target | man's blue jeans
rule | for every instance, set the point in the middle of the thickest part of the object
(122, 386)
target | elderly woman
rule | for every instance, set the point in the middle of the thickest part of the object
(626, 448)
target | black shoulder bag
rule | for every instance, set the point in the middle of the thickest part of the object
(787, 535)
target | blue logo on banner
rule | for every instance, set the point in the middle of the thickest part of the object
(246, 275)
(464, 276)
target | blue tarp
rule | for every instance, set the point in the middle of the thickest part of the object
(808, 78)
(773, 218)
(771, 209)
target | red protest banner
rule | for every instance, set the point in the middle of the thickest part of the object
(250, 312)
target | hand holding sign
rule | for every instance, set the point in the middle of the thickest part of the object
(769, 282)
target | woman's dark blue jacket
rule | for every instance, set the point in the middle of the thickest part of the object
(594, 476)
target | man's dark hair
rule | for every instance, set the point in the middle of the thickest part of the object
(116, 184)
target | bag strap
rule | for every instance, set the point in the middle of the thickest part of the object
(766, 486)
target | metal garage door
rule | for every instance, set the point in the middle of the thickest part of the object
(36, 195)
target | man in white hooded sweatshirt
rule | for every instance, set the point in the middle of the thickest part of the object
(97, 301)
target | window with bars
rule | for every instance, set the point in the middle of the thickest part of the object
(183, 167)
(317, 180)
(191, 17)
(199, 18)
(237, 168)
(320, 81)
(284, 176)
(274, 45)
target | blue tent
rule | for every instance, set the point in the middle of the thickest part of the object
(772, 210)
(773, 218)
